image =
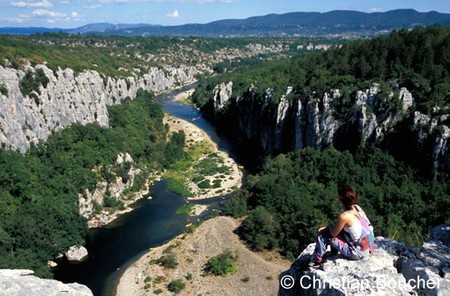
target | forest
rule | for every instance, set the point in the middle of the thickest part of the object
(417, 59)
(117, 56)
(296, 193)
(39, 211)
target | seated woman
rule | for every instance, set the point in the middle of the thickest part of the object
(352, 235)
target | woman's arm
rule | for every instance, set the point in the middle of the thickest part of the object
(340, 223)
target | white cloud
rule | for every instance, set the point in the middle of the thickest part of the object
(48, 13)
(16, 20)
(44, 3)
(74, 14)
(174, 13)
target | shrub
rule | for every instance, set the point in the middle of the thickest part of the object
(112, 202)
(159, 280)
(198, 178)
(176, 286)
(32, 82)
(222, 264)
(3, 89)
(204, 184)
(169, 261)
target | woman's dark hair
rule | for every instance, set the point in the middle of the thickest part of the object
(347, 196)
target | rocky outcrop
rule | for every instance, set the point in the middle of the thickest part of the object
(21, 282)
(394, 269)
(76, 253)
(293, 123)
(70, 98)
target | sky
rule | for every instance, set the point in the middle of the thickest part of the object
(75, 13)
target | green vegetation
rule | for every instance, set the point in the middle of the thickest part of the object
(39, 215)
(3, 89)
(116, 56)
(176, 286)
(168, 260)
(415, 59)
(31, 82)
(296, 193)
(198, 162)
(222, 264)
(185, 209)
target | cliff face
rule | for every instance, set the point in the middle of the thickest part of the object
(69, 98)
(293, 124)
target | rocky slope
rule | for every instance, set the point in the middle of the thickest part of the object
(292, 123)
(256, 273)
(394, 269)
(20, 282)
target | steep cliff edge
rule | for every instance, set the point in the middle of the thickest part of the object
(70, 98)
(293, 123)
(394, 269)
(17, 282)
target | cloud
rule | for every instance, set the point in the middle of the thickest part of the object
(16, 20)
(44, 3)
(174, 13)
(47, 13)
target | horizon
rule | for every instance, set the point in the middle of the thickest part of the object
(67, 14)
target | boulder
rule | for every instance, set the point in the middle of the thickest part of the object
(394, 269)
(430, 271)
(76, 253)
(22, 282)
(339, 276)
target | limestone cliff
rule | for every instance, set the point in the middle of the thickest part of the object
(394, 269)
(293, 123)
(66, 98)
(20, 282)
(70, 98)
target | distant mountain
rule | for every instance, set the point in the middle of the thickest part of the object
(339, 22)
(107, 28)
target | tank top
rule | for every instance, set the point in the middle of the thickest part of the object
(355, 230)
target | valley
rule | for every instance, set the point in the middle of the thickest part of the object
(91, 123)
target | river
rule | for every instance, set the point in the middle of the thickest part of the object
(151, 223)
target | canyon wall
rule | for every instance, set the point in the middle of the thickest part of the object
(69, 98)
(291, 123)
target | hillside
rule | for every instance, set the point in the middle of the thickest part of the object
(372, 113)
(333, 23)
(391, 91)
